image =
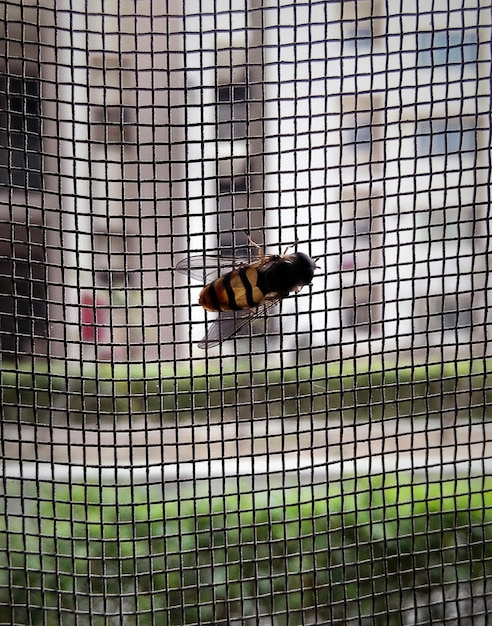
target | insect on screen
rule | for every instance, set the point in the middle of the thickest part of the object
(244, 312)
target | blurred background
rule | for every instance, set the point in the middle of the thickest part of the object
(135, 135)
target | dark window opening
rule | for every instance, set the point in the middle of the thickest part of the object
(23, 291)
(232, 112)
(112, 124)
(22, 307)
(446, 138)
(20, 132)
(449, 47)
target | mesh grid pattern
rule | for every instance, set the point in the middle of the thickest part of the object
(329, 462)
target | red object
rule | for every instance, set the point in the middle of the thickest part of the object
(348, 262)
(92, 318)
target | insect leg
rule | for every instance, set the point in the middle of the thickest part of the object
(261, 254)
(292, 245)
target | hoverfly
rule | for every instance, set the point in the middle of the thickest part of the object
(245, 291)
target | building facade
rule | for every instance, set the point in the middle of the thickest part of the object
(135, 133)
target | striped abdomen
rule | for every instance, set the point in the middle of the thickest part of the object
(234, 291)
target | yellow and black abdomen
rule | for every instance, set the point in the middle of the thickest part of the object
(235, 291)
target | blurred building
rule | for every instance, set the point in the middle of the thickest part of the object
(133, 134)
(91, 178)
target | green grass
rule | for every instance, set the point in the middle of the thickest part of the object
(358, 548)
(164, 391)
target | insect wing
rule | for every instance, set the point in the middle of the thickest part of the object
(229, 324)
(208, 268)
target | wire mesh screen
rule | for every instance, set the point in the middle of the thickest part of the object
(244, 322)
